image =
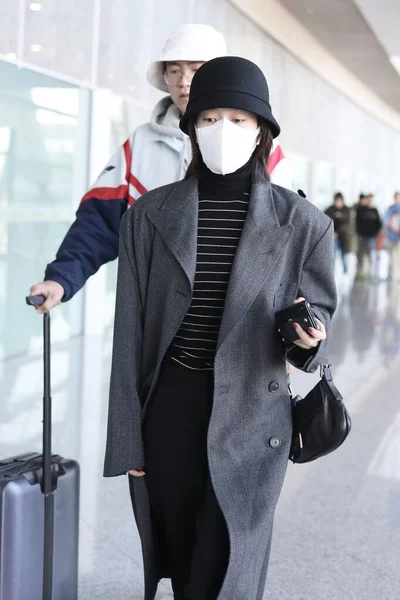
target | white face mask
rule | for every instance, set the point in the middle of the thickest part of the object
(226, 147)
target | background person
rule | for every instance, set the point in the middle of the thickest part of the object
(341, 217)
(156, 154)
(368, 225)
(199, 413)
(361, 197)
(392, 230)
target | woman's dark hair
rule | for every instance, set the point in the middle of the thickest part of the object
(259, 158)
(338, 196)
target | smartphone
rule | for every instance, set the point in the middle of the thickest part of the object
(300, 313)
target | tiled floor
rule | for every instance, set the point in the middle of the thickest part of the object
(337, 528)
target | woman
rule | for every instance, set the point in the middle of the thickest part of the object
(200, 413)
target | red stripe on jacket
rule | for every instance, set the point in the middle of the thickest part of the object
(121, 192)
(136, 183)
(274, 159)
(106, 193)
(128, 159)
(118, 193)
(128, 176)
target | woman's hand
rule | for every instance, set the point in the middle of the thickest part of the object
(309, 340)
(136, 473)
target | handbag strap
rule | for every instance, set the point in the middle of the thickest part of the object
(326, 372)
(326, 375)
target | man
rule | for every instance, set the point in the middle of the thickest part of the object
(341, 216)
(368, 225)
(156, 154)
(392, 229)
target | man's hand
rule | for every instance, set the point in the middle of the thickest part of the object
(51, 290)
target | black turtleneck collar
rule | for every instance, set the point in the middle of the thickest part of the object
(238, 182)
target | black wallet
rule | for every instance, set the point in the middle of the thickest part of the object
(299, 313)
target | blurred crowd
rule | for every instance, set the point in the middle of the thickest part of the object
(375, 238)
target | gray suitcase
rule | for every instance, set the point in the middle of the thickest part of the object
(39, 515)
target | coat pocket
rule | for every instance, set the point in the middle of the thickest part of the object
(285, 295)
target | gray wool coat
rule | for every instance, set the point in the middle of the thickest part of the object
(286, 249)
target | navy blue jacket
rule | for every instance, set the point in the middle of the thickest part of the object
(91, 241)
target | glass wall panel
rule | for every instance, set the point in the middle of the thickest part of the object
(295, 106)
(9, 21)
(301, 173)
(125, 47)
(43, 148)
(213, 13)
(166, 17)
(345, 184)
(124, 118)
(323, 184)
(273, 66)
(235, 29)
(132, 34)
(59, 36)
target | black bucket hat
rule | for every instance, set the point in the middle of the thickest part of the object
(230, 82)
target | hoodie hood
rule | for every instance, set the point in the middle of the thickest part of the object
(165, 119)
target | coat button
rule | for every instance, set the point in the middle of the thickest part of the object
(275, 442)
(273, 386)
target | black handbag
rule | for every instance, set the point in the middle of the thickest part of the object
(321, 422)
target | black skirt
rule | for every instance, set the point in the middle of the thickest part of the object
(187, 521)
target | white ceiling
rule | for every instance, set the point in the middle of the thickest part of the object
(383, 16)
(343, 28)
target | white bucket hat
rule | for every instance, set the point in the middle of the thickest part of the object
(191, 43)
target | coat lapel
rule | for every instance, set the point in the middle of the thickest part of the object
(262, 242)
(176, 222)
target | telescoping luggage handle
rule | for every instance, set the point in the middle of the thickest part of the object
(47, 479)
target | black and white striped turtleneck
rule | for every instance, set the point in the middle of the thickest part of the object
(223, 204)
